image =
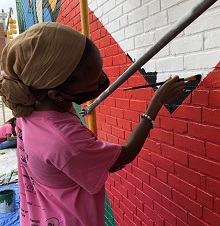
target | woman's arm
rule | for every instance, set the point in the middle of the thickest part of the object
(135, 142)
(10, 137)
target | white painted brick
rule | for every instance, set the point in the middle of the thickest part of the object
(101, 2)
(186, 44)
(114, 26)
(178, 11)
(127, 44)
(138, 14)
(119, 35)
(165, 4)
(154, 7)
(92, 5)
(165, 52)
(144, 40)
(170, 64)
(130, 5)
(123, 21)
(146, 1)
(202, 60)
(155, 21)
(134, 30)
(108, 6)
(212, 39)
(205, 22)
(115, 13)
(118, 2)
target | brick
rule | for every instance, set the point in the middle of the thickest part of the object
(131, 116)
(200, 97)
(204, 132)
(152, 193)
(172, 124)
(213, 151)
(152, 146)
(110, 102)
(205, 198)
(145, 219)
(211, 116)
(162, 162)
(118, 132)
(135, 201)
(182, 186)
(160, 186)
(189, 143)
(135, 181)
(144, 198)
(214, 98)
(138, 105)
(180, 222)
(189, 112)
(174, 154)
(190, 176)
(217, 205)
(162, 135)
(192, 220)
(205, 166)
(162, 175)
(124, 124)
(146, 166)
(142, 175)
(128, 185)
(174, 208)
(165, 214)
(122, 103)
(130, 206)
(154, 216)
(213, 186)
(187, 203)
(210, 217)
(111, 120)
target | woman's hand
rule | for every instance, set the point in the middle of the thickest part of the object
(168, 91)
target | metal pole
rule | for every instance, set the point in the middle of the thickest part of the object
(186, 20)
(85, 30)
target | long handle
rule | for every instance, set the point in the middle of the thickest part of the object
(186, 20)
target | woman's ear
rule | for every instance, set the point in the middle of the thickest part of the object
(55, 95)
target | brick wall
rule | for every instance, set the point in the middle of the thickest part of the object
(175, 180)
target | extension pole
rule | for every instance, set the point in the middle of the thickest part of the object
(189, 17)
(85, 30)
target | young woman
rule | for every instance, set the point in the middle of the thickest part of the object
(8, 137)
(63, 166)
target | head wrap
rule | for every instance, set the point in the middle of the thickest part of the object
(40, 58)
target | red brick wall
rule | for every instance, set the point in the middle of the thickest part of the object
(175, 180)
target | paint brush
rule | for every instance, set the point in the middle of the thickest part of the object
(191, 78)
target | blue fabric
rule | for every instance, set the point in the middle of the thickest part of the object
(12, 218)
(7, 144)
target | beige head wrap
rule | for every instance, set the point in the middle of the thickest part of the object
(40, 58)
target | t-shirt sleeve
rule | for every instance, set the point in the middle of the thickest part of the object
(8, 129)
(89, 168)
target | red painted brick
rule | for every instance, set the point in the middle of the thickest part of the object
(160, 186)
(119, 59)
(210, 217)
(189, 143)
(211, 116)
(205, 198)
(174, 154)
(187, 203)
(129, 221)
(122, 103)
(129, 207)
(135, 181)
(124, 124)
(165, 214)
(111, 120)
(138, 105)
(110, 101)
(144, 198)
(205, 166)
(182, 186)
(204, 132)
(217, 205)
(131, 115)
(145, 219)
(195, 221)
(128, 185)
(200, 97)
(146, 166)
(152, 145)
(213, 186)
(190, 176)
(112, 50)
(162, 175)
(180, 223)
(188, 112)
(172, 124)
(162, 135)
(144, 176)
(138, 203)
(152, 193)
(120, 133)
(104, 109)
(162, 162)
(174, 208)
(107, 61)
(213, 151)
(153, 216)
(214, 98)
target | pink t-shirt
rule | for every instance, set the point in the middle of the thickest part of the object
(62, 171)
(5, 129)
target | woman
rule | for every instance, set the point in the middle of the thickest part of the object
(63, 166)
(8, 138)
